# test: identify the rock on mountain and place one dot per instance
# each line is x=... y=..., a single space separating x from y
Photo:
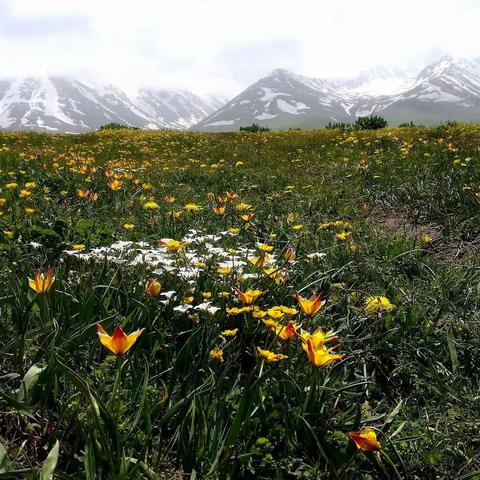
x=67 y=105
x=448 y=89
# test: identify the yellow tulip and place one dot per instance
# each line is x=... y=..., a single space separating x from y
x=42 y=283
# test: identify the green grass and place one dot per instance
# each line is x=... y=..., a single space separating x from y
x=409 y=201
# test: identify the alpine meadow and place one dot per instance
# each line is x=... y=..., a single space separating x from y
x=299 y=304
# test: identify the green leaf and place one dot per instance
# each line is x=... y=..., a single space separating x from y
x=452 y=350
x=29 y=381
x=5 y=464
x=50 y=463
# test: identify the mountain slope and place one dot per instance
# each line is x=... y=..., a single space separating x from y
x=282 y=99
x=448 y=89
x=176 y=109
x=67 y=105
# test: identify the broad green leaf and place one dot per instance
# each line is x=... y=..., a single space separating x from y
x=50 y=463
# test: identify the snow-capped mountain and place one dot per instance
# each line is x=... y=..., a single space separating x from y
x=280 y=100
x=448 y=89
x=176 y=108
x=68 y=105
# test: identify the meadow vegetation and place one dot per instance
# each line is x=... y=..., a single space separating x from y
x=270 y=305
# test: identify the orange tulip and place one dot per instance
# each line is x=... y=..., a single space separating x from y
x=249 y=296
x=310 y=306
x=42 y=283
x=119 y=343
x=321 y=356
x=366 y=440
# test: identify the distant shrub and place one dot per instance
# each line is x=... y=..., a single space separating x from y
x=407 y=125
x=116 y=126
x=338 y=125
x=254 y=128
x=373 y=122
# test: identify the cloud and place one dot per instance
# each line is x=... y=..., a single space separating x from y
x=222 y=46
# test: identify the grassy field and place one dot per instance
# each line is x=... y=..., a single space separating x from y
x=231 y=373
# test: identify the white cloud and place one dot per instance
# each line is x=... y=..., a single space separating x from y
x=221 y=45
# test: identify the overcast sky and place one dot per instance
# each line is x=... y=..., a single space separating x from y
x=221 y=46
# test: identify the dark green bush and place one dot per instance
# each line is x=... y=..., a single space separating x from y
x=254 y=128
x=373 y=122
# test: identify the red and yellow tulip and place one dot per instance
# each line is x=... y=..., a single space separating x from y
x=365 y=440
x=119 y=343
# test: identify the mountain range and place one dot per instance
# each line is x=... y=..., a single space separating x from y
x=64 y=104
x=447 y=89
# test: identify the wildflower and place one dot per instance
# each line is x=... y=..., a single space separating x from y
x=269 y=356
x=310 y=306
x=169 y=198
x=29 y=211
x=82 y=193
x=249 y=296
x=219 y=210
x=3 y=201
x=31 y=185
x=207 y=295
x=277 y=275
x=426 y=239
x=264 y=247
x=42 y=283
x=128 y=226
x=8 y=233
x=317 y=339
x=239 y=163
x=242 y=207
x=289 y=311
x=343 y=235
x=321 y=356
x=275 y=313
x=192 y=207
x=172 y=245
x=216 y=354
x=297 y=227
x=115 y=185
x=119 y=343
x=234 y=230
x=247 y=217
x=11 y=186
x=257 y=313
x=224 y=270
x=378 y=304
x=229 y=333
x=79 y=247
x=151 y=205
x=290 y=255
x=94 y=197
x=237 y=311
x=259 y=262
x=153 y=287
x=365 y=440
x=24 y=193
x=286 y=332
